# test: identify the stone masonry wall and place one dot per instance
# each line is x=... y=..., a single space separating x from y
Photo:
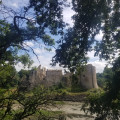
x=53 y=77
x=37 y=77
x=88 y=77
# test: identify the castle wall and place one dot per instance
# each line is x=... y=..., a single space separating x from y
x=37 y=77
x=88 y=77
x=94 y=77
x=53 y=77
x=66 y=79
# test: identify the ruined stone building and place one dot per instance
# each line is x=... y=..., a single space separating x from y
x=41 y=76
x=88 y=77
x=37 y=77
x=53 y=77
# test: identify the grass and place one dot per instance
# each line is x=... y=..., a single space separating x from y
x=49 y=113
x=42 y=113
x=59 y=102
x=39 y=114
x=69 y=91
x=46 y=115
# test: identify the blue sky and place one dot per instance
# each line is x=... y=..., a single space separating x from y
x=46 y=56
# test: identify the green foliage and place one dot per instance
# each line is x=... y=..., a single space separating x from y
x=28 y=103
x=8 y=76
x=104 y=78
x=23 y=73
x=105 y=104
x=47 y=18
x=77 y=89
x=49 y=115
x=100 y=80
x=75 y=84
x=80 y=39
x=7 y=42
x=4 y=28
x=91 y=17
x=47 y=39
x=48 y=15
x=25 y=60
x=100 y=103
x=70 y=54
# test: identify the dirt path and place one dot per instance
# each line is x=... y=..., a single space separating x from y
x=72 y=111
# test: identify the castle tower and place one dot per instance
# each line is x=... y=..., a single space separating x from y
x=88 y=77
x=37 y=76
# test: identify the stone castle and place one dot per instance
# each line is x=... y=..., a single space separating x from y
x=88 y=77
x=41 y=76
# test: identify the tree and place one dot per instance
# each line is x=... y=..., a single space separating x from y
x=90 y=17
x=46 y=16
x=104 y=78
x=28 y=104
x=105 y=104
x=34 y=23
x=8 y=76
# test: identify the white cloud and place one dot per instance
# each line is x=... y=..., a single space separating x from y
x=68 y=13
x=99 y=36
x=53 y=50
x=44 y=56
x=20 y=66
x=14 y=5
x=38 y=50
x=28 y=43
x=45 y=60
x=96 y=62
x=42 y=50
x=99 y=65
x=91 y=54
